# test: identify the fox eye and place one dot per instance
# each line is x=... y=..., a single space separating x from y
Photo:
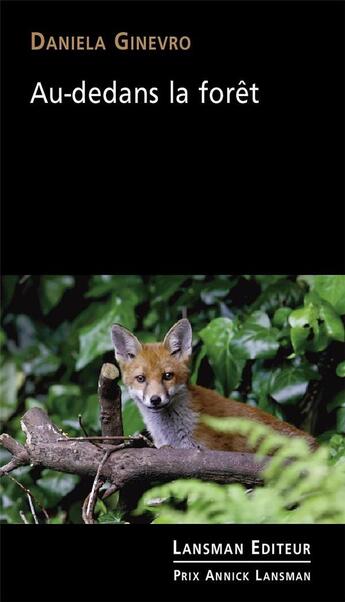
x=168 y=375
x=141 y=378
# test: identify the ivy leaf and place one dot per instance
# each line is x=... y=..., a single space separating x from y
x=10 y=381
x=55 y=486
x=132 y=420
x=95 y=338
x=90 y=414
x=268 y=279
x=65 y=401
x=261 y=378
x=333 y=323
x=267 y=404
x=340 y=371
x=314 y=325
x=280 y=294
x=40 y=360
x=256 y=338
x=281 y=316
x=52 y=289
x=102 y=285
x=289 y=384
x=213 y=291
x=329 y=288
x=163 y=287
x=227 y=368
x=197 y=362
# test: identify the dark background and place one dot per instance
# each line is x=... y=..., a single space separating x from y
x=98 y=189
x=145 y=189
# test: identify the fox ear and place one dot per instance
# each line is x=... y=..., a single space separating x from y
x=126 y=345
x=178 y=340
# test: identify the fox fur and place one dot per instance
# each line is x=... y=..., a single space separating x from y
x=157 y=378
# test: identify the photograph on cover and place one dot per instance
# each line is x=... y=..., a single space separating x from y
x=172 y=399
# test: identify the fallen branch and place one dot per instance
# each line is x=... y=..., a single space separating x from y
x=130 y=470
x=46 y=448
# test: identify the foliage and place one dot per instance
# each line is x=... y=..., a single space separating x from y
x=299 y=486
x=266 y=340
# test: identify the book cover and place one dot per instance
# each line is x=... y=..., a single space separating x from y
x=173 y=301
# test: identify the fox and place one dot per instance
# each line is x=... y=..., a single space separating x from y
x=156 y=376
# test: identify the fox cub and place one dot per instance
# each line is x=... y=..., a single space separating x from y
x=156 y=376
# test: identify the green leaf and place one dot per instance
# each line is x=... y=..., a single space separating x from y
x=65 y=400
x=336 y=447
x=110 y=518
x=314 y=325
x=267 y=280
x=163 y=287
x=288 y=385
x=340 y=371
x=227 y=368
x=300 y=339
x=10 y=381
x=31 y=402
x=333 y=323
x=90 y=414
x=95 y=338
x=283 y=293
x=268 y=405
x=56 y=485
x=256 y=338
x=52 y=289
x=132 y=420
x=103 y=285
x=280 y=318
x=258 y=318
x=197 y=362
x=40 y=361
x=330 y=288
x=215 y=290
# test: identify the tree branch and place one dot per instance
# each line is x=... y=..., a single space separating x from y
x=18 y=451
x=109 y=394
x=46 y=447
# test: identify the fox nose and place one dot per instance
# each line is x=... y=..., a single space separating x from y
x=155 y=400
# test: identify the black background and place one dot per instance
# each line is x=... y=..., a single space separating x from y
x=240 y=188
x=111 y=189
x=133 y=563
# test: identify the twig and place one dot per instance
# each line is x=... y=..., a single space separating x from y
x=24 y=279
x=31 y=498
x=112 y=489
x=80 y=420
x=91 y=498
x=32 y=508
x=108 y=438
x=143 y=438
x=23 y=517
